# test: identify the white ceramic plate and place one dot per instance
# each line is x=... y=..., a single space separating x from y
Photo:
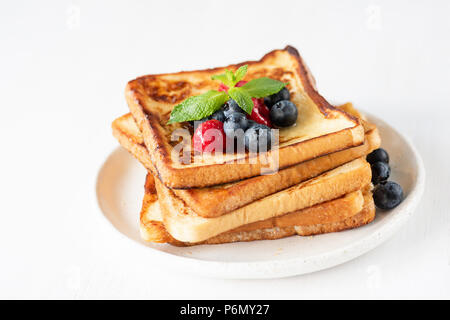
x=120 y=188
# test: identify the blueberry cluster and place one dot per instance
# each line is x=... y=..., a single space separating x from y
x=387 y=194
x=256 y=136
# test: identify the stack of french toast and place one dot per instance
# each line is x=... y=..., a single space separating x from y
x=320 y=182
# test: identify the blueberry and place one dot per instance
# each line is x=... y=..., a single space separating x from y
x=257 y=125
x=387 y=195
x=258 y=138
x=252 y=123
x=230 y=107
x=283 y=113
x=380 y=172
x=233 y=122
x=218 y=115
x=283 y=94
x=378 y=155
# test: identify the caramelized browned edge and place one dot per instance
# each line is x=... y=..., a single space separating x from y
x=161 y=235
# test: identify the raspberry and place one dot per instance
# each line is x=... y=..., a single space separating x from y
x=223 y=88
x=260 y=112
x=209 y=136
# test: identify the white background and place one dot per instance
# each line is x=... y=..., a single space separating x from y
x=63 y=70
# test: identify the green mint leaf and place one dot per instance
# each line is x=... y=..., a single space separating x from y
x=198 y=107
x=243 y=99
x=230 y=77
x=240 y=73
x=222 y=78
x=263 y=87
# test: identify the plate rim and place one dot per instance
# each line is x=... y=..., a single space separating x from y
x=273 y=268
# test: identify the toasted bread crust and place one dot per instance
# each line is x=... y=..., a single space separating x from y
x=138 y=92
x=215 y=201
x=154 y=231
x=330 y=185
x=326 y=212
x=123 y=131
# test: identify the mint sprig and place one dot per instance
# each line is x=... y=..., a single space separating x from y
x=229 y=78
x=201 y=106
x=242 y=98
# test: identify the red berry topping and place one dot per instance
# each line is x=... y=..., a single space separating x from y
x=209 y=137
x=223 y=88
x=260 y=112
x=241 y=83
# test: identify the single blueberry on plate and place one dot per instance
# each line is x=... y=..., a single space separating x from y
x=378 y=155
x=387 y=195
x=283 y=113
x=380 y=172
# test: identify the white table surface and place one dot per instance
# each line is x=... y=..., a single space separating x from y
x=63 y=69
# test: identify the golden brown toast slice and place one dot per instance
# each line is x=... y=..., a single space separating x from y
x=320 y=129
x=349 y=211
x=215 y=201
x=185 y=225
